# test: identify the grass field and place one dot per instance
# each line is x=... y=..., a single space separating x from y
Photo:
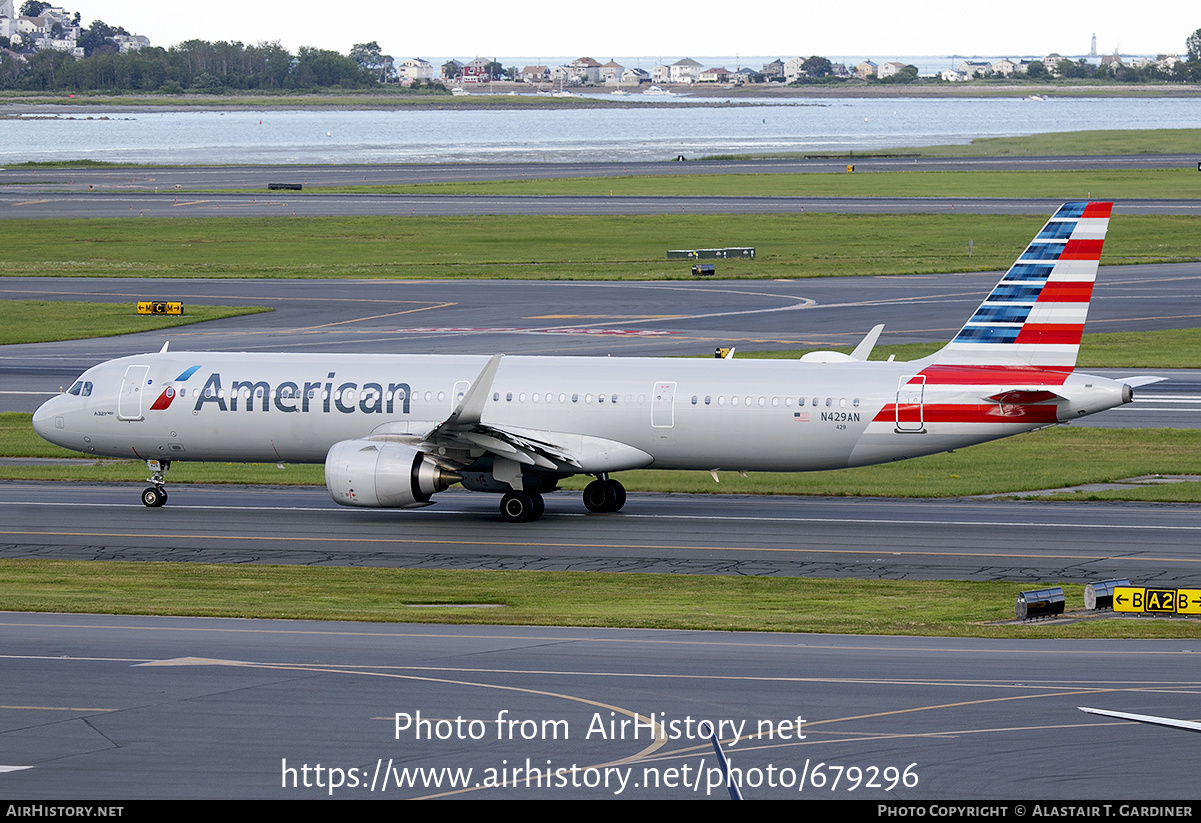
x=40 y=321
x=566 y=248
x=708 y=602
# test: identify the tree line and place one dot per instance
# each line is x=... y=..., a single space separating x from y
x=195 y=65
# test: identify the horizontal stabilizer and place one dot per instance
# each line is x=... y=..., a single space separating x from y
x=1024 y=397
x=1141 y=380
x=864 y=349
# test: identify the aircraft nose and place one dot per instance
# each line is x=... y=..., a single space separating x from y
x=43 y=419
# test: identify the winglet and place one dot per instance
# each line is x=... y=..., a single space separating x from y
x=163 y=350
x=864 y=349
x=471 y=407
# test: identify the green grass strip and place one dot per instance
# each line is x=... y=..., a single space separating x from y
x=43 y=321
x=703 y=602
x=557 y=247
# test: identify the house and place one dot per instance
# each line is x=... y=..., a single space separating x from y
x=635 y=77
x=564 y=76
x=586 y=69
x=534 y=74
x=888 y=69
x=130 y=42
x=794 y=69
x=476 y=71
x=1004 y=67
x=718 y=75
x=452 y=69
x=773 y=70
x=610 y=73
x=971 y=70
x=415 y=70
x=866 y=69
x=660 y=75
x=686 y=70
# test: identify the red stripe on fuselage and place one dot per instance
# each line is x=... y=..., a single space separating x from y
x=970 y=413
x=993 y=375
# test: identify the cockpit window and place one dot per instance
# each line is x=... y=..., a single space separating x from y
x=87 y=389
x=76 y=388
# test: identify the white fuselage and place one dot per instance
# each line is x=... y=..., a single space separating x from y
x=612 y=413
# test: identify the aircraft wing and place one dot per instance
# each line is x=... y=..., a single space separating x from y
x=464 y=429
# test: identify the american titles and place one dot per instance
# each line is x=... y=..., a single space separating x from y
x=290 y=396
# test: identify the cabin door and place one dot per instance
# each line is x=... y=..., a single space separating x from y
x=910 y=392
x=663 y=406
x=129 y=403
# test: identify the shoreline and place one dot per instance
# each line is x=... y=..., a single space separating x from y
x=522 y=96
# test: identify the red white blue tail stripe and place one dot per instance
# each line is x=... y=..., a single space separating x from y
x=1035 y=315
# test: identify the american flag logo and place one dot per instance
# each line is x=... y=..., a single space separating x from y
x=801 y=417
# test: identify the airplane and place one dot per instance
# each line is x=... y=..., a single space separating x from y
x=393 y=430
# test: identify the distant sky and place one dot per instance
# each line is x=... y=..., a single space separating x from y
x=880 y=29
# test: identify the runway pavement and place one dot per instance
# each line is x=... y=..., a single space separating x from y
x=117 y=708
x=912 y=539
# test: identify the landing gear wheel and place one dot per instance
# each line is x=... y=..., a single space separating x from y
x=605 y=495
x=619 y=494
x=155 y=494
x=521 y=507
x=153 y=497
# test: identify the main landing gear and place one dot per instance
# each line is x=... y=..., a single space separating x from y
x=600 y=496
x=521 y=507
x=604 y=495
x=155 y=494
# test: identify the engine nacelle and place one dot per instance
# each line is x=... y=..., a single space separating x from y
x=379 y=474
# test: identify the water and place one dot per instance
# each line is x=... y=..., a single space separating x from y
x=627 y=134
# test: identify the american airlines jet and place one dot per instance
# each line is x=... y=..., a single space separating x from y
x=393 y=430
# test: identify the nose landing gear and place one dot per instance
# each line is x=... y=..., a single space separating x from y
x=155 y=494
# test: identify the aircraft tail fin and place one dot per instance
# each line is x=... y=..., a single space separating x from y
x=1035 y=315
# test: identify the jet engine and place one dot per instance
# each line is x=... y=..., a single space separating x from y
x=379 y=474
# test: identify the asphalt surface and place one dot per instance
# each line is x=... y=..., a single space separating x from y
x=618 y=319
x=120 y=707
x=910 y=539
